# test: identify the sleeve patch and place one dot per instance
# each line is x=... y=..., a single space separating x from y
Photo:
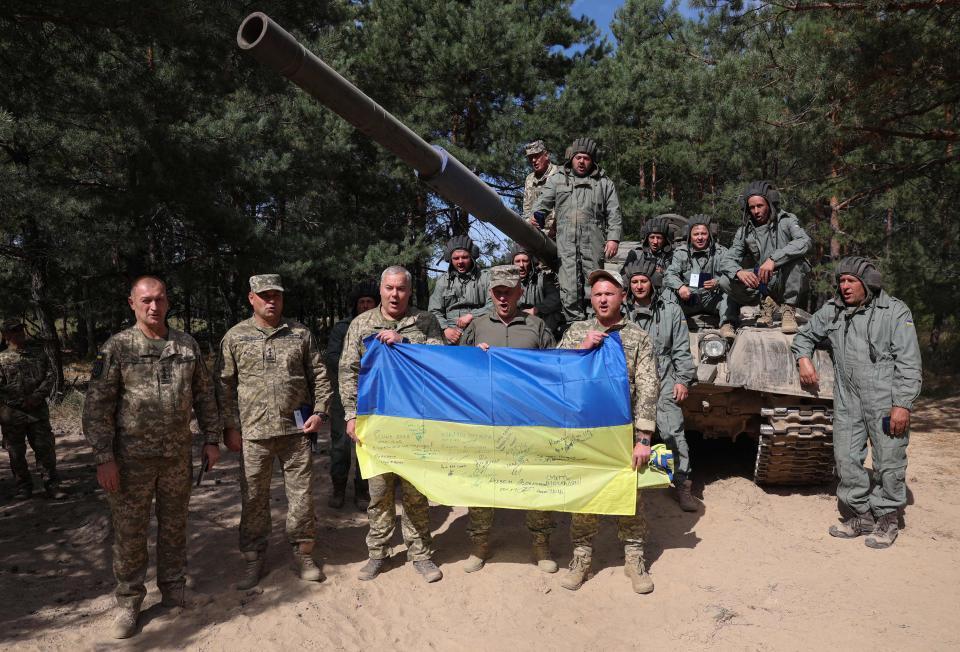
x=97 y=370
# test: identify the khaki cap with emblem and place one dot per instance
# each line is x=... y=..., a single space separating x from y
x=264 y=282
x=536 y=147
x=604 y=275
x=507 y=276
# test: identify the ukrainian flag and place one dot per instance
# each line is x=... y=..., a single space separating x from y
x=507 y=428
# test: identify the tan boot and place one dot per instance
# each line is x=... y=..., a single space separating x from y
x=543 y=557
x=428 y=570
x=306 y=567
x=685 y=497
x=184 y=598
x=478 y=557
x=252 y=570
x=885 y=532
x=853 y=526
x=577 y=573
x=727 y=332
x=765 y=317
x=788 y=319
x=371 y=569
x=635 y=569
x=125 y=621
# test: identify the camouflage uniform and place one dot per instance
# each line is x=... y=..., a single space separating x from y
x=532 y=187
x=418 y=327
x=263 y=375
x=642 y=371
x=137 y=413
x=457 y=294
x=26 y=378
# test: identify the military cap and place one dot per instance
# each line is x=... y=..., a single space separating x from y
x=264 y=282
x=604 y=275
x=11 y=324
x=507 y=276
x=536 y=147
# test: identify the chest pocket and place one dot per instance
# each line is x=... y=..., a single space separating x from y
x=250 y=357
x=289 y=355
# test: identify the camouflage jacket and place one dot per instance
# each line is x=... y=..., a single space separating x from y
x=140 y=399
x=263 y=375
x=25 y=377
x=663 y=321
x=456 y=294
x=417 y=327
x=532 y=187
x=641 y=369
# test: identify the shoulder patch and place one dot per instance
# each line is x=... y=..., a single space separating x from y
x=97 y=370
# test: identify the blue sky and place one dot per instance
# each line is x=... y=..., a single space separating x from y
x=602 y=12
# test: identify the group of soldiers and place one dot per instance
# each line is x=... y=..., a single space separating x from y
x=272 y=387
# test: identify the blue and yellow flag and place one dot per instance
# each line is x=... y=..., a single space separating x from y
x=515 y=428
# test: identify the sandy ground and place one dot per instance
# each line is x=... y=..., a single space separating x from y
x=754 y=570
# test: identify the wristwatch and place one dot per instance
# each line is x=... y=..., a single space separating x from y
x=644 y=441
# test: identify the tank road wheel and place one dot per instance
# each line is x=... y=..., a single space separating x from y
x=796 y=446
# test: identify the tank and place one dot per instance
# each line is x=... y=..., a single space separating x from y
x=277 y=49
x=750 y=388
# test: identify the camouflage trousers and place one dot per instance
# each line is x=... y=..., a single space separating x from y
x=140 y=480
x=256 y=472
x=631 y=529
x=540 y=524
x=40 y=437
x=414 y=522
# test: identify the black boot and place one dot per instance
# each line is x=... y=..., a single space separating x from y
x=339 y=495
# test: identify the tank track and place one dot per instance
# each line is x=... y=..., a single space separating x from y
x=796 y=446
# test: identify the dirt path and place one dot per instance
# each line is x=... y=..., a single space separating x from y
x=756 y=570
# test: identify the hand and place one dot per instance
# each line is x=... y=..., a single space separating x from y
x=313 y=423
x=709 y=285
x=531 y=311
x=808 y=374
x=592 y=340
x=680 y=393
x=108 y=476
x=352 y=430
x=464 y=321
x=899 y=421
x=232 y=439
x=684 y=293
x=533 y=222
x=641 y=451
x=483 y=346
x=390 y=337
x=766 y=270
x=211 y=453
x=452 y=334
x=748 y=278
x=610 y=249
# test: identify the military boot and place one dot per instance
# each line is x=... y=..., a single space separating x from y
x=252 y=570
x=306 y=567
x=361 y=495
x=339 y=495
x=182 y=596
x=125 y=621
x=854 y=526
x=478 y=557
x=788 y=319
x=371 y=569
x=24 y=491
x=684 y=496
x=54 y=492
x=428 y=570
x=543 y=556
x=885 y=532
x=577 y=572
x=765 y=317
x=635 y=569
x=727 y=332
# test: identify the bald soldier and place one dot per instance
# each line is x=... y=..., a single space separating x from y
x=145 y=384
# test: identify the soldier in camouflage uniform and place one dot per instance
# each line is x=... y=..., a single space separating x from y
x=656 y=246
x=541 y=295
x=342 y=449
x=269 y=369
x=543 y=169
x=461 y=294
x=25 y=381
x=607 y=296
x=145 y=383
x=508 y=326
x=588 y=222
x=662 y=319
x=394 y=321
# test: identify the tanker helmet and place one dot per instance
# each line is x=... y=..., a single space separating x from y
x=461 y=242
x=586 y=146
x=764 y=189
x=863 y=269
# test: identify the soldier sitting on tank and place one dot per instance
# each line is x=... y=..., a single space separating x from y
x=539 y=158
x=655 y=245
x=461 y=294
x=765 y=265
x=695 y=271
x=541 y=296
x=663 y=321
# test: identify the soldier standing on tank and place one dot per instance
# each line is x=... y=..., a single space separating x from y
x=461 y=294
x=588 y=222
x=509 y=326
x=269 y=372
x=342 y=448
x=543 y=169
x=765 y=265
x=877 y=377
x=663 y=320
x=656 y=245
x=145 y=383
x=393 y=322
x=541 y=296
x=694 y=274
x=607 y=296
x=26 y=378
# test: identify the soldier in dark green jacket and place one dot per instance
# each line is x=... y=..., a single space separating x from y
x=541 y=295
x=877 y=372
x=461 y=294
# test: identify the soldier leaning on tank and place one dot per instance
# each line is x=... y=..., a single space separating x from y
x=662 y=319
x=269 y=370
x=393 y=322
x=460 y=294
x=765 y=265
x=342 y=449
x=26 y=378
x=655 y=245
x=607 y=297
x=694 y=274
x=145 y=383
x=588 y=222
x=543 y=169
x=877 y=377
x=510 y=326
x=541 y=296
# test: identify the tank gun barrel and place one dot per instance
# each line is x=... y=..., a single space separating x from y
x=276 y=48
